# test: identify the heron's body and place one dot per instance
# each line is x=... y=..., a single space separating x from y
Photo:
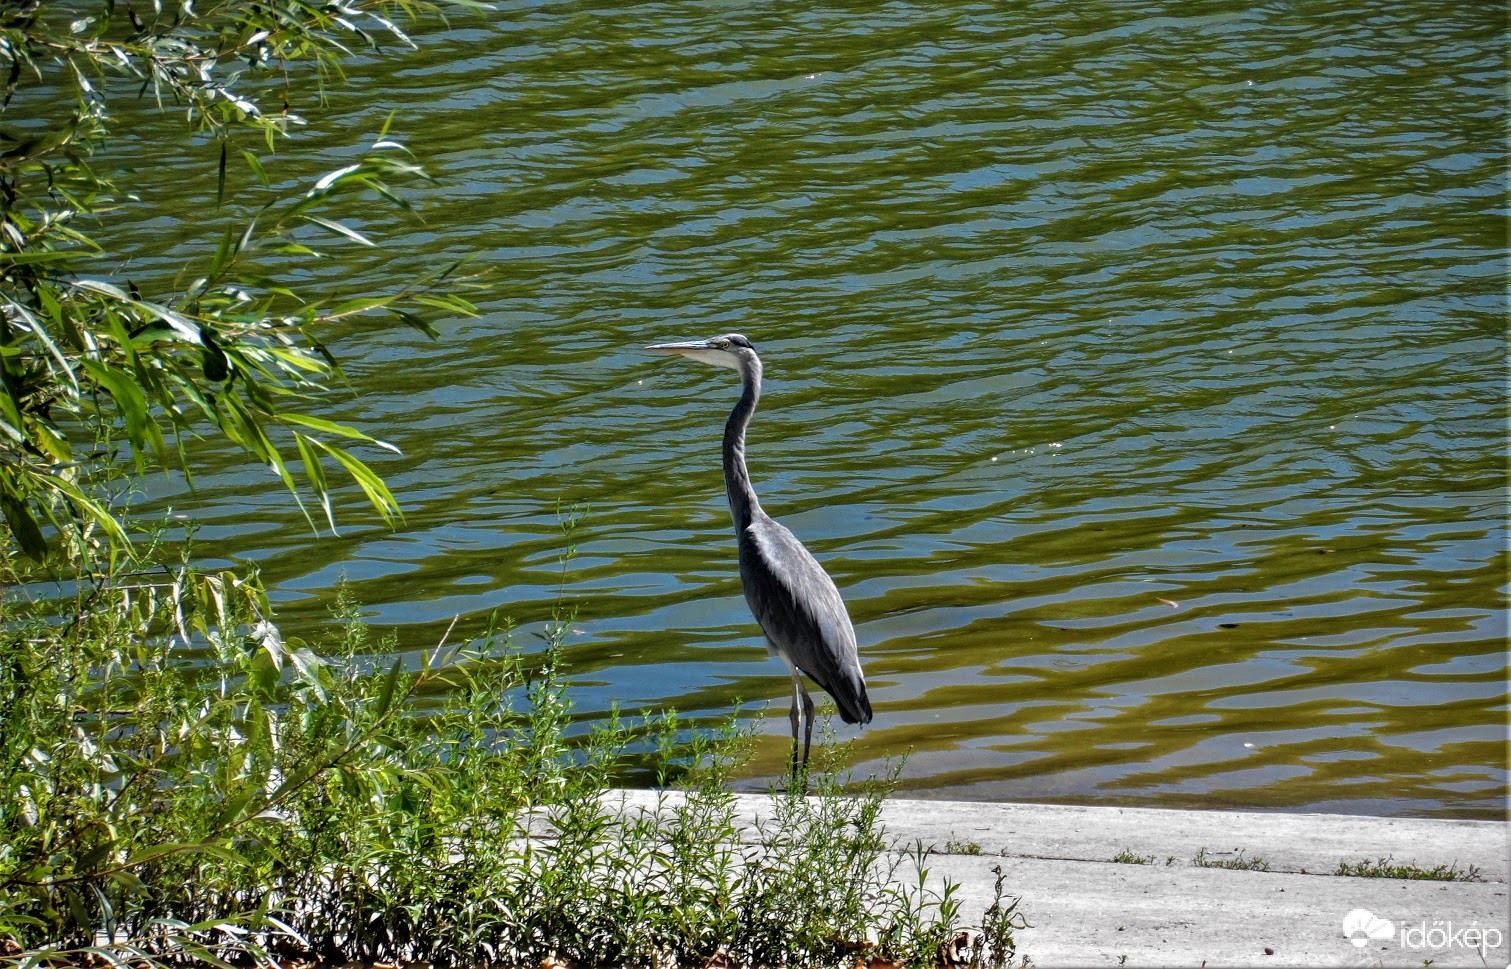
x=790 y=594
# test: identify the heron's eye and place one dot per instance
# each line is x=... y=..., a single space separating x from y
x=721 y=344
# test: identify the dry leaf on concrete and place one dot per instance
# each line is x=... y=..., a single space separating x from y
x=957 y=951
x=721 y=959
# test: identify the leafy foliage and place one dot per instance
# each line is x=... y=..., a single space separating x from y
x=89 y=363
x=214 y=792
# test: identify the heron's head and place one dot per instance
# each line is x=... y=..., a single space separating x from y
x=731 y=350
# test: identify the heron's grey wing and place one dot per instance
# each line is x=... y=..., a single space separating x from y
x=802 y=613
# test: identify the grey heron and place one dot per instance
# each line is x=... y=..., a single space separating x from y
x=791 y=595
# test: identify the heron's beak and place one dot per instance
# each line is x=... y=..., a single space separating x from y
x=701 y=351
x=683 y=349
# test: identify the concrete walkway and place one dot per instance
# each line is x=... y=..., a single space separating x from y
x=1088 y=910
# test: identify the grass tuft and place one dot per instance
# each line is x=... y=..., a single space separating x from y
x=1239 y=863
x=1386 y=868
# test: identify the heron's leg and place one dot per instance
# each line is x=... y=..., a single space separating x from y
x=797 y=693
x=808 y=722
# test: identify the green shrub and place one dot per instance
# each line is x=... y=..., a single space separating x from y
x=179 y=782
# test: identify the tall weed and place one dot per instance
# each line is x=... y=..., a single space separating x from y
x=178 y=783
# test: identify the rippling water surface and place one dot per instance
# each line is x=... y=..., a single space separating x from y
x=1135 y=369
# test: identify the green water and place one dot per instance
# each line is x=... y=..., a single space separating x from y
x=1137 y=371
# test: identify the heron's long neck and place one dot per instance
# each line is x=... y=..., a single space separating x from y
x=742 y=497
